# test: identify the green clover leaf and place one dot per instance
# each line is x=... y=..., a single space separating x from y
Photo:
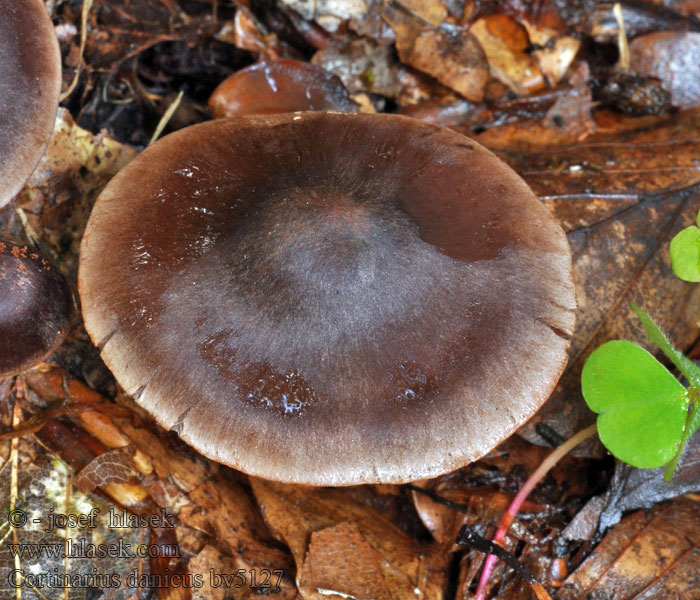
x=685 y=253
x=642 y=408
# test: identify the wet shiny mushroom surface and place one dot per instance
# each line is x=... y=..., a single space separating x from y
x=279 y=86
x=329 y=299
x=36 y=307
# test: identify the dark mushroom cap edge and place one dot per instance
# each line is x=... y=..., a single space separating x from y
x=329 y=299
x=36 y=308
x=30 y=86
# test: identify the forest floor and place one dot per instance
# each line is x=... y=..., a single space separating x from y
x=602 y=123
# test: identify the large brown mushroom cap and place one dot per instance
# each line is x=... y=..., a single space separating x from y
x=329 y=298
x=30 y=84
x=36 y=307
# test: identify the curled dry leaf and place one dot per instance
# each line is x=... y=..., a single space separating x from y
x=504 y=41
x=554 y=53
x=673 y=57
x=325 y=527
x=647 y=556
x=450 y=54
x=248 y=33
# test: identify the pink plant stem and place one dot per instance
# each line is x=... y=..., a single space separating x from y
x=522 y=495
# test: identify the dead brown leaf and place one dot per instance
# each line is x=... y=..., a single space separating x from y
x=329 y=14
x=555 y=53
x=431 y=11
x=296 y=513
x=504 y=42
x=649 y=555
x=341 y=560
x=113 y=466
x=450 y=54
x=631 y=488
x=248 y=33
x=225 y=510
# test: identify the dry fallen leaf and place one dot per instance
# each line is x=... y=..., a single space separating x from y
x=327 y=529
x=554 y=53
x=632 y=488
x=450 y=54
x=113 y=466
x=329 y=14
x=648 y=556
x=505 y=42
x=340 y=561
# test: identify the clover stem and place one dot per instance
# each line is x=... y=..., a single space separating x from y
x=520 y=497
x=689 y=429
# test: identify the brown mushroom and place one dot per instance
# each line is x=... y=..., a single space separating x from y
x=36 y=307
x=30 y=84
x=328 y=298
x=279 y=86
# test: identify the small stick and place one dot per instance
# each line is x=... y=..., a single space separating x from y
x=622 y=45
x=14 y=461
x=166 y=118
x=87 y=5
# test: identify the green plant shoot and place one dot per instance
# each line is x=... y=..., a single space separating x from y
x=645 y=415
x=685 y=253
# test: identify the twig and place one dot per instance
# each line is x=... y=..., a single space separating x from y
x=14 y=461
x=165 y=118
x=87 y=5
x=520 y=497
x=69 y=533
x=624 y=61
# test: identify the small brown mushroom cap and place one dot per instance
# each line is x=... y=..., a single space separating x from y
x=30 y=85
x=36 y=307
x=329 y=299
x=279 y=86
